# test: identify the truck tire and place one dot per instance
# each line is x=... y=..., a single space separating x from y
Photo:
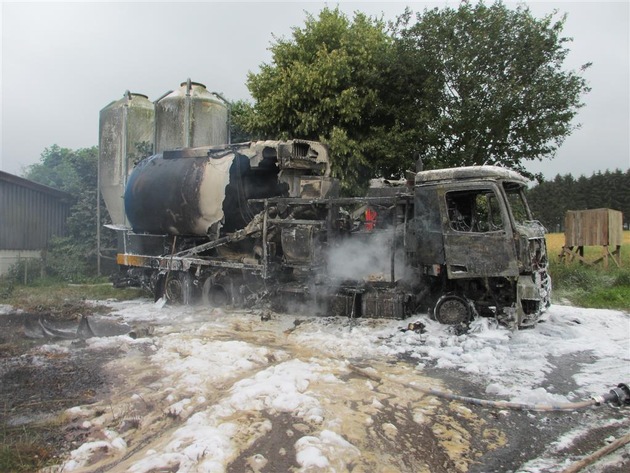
x=178 y=287
x=214 y=295
x=452 y=309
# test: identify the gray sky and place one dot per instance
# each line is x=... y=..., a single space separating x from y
x=63 y=62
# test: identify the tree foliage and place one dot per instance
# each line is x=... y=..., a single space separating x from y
x=239 y=113
x=459 y=86
x=324 y=84
x=73 y=171
x=498 y=92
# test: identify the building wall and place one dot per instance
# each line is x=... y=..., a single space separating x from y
x=30 y=214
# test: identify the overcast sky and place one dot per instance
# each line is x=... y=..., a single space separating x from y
x=63 y=62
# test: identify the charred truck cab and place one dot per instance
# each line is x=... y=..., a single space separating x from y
x=243 y=224
x=475 y=241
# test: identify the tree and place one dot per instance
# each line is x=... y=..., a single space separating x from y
x=75 y=172
x=471 y=85
x=324 y=84
x=240 y=111
x=497 y=92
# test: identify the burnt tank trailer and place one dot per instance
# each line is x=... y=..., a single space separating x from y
x=235 y=224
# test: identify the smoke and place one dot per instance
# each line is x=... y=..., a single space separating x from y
x=366 y=256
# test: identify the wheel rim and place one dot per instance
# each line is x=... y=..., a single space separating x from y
x=173 y=290
x=178 y=287
x=452 y=310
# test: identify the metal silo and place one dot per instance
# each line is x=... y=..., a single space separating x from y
x=126 y=130
x=190 y=117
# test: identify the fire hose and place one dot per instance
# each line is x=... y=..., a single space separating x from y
x=618 y=396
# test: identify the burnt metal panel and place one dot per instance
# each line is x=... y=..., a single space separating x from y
x=424 y=236
x=298 y=244
x=473 y=254
x=385 y=305
x=469 y=173
x=131 y=243
x=341 y=305
x=30 y=213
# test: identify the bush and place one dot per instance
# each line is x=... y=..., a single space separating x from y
x=6 y=287
x=26 y=270
x=67 y=260
x=73 y=257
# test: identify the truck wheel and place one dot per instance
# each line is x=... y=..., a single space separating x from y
x=178 y=287
x=214 y=295
x=452 y=309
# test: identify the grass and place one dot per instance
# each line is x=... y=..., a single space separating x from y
x=62 y=299
x=24 y=450
x=590 y=286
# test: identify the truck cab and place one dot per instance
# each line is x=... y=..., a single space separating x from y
x=473 y=240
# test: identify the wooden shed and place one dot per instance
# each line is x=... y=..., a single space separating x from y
x=30 y=214
x=596 y=227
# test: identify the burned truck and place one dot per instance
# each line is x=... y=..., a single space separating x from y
x=249 y=223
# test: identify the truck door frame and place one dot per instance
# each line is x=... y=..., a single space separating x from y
x=476 y=253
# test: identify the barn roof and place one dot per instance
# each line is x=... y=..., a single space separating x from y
x=20 y=181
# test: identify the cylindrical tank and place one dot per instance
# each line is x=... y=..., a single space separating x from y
x=126 y=129
x=190 y=117
x=187 y=191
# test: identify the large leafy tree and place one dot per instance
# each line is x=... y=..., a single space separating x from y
x=498 y=92
x=73 y=171
x=324 y=84
x=457 y=86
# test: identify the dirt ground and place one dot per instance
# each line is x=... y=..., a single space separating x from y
x=38 y=386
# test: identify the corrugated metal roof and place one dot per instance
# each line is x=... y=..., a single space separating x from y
x=20 y=181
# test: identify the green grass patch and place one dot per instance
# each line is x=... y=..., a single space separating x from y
x=605 y=298
x=591 y=286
